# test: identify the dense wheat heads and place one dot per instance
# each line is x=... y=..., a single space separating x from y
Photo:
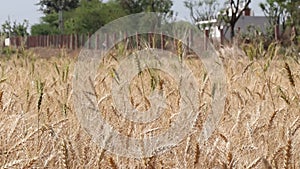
x=253 y=133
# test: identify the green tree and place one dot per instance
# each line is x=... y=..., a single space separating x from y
x=137 y=6
x=52 y=22
x=54 y=6
x=91 y=15
x=293 y=10
x=276 y=12
x=15 y=29
x=44 y=29
x=282 y=12
x=48 y=26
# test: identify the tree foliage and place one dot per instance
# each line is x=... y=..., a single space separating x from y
x=282 y=12
x=274 y=10
x=54 y=6
x=87 y=16
x=137 y=6
x=15 y=29
x=293 y=9
x=44 y=29
x=91 y=15
x=202 y=9
x=48 y=26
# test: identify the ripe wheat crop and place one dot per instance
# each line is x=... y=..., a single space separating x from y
x=259 y=127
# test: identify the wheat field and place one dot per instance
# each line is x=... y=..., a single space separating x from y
x=39 y=128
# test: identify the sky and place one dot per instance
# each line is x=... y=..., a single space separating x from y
x=18 y=10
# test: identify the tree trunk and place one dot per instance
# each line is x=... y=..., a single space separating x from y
x=232 y=33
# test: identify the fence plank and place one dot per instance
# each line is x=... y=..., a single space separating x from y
x=162 y=41
x=206 y=39
x=277 y=32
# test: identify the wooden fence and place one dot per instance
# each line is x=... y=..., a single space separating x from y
x=76 y=41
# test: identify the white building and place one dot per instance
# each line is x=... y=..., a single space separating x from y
x=242 y=25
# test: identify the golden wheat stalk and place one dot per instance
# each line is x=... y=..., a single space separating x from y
x=113 y=163
x=64 y=155
x=289 y=73
x=197 y=154
x=1 y=102
x=288 y=154
x=254 y=163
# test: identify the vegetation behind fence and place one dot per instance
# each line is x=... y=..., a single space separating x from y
x=73 y=41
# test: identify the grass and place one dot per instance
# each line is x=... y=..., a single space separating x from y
x=259 y=127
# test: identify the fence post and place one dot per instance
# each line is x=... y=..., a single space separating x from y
x=191 y=40
x=55 y=41
x=60 y=39
x=115 y=37
x=137 y=40
x=80 y=40
x=50 y=40
x=77 y=41
x=65 y=44
x=97 y=42
x=106 y=40
x=89 y=41
x=26 y=42
x=44 y=40
x=150 y=40
x=126 y=40
x=277 y=37
x=162 y=41
x=47 y=41
x=17 y=41
x=38 y=41
x=74 y=41
x=114 y=40
x=78 y=36
x=68 y=40
x=61 y=44
x=11 y=41
x=206 y=38
x=221 y=36
x=175 y=41
x=32 y=41
x=71 y=41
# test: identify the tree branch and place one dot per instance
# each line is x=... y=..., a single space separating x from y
x=243 y=9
